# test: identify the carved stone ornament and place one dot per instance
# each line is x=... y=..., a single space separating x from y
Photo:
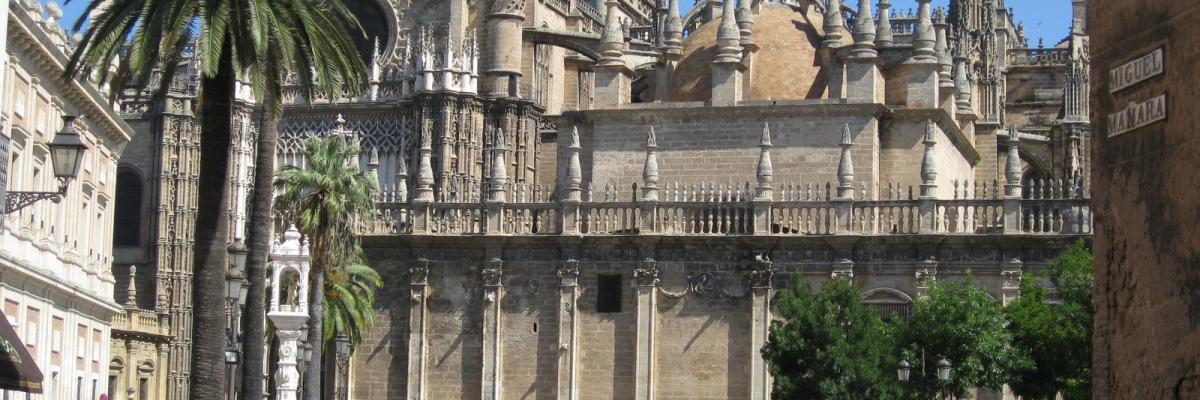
x=926 y=276
x=568 y=277
x=645 y=276
x=418 y=276
x=762 y=278
x=1012 y=279
x=842 y=273
x=532 y=286
x=491 y=277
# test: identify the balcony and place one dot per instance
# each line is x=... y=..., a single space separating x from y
x=134 y=321
x=1036 y=208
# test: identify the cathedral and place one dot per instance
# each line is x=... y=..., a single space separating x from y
x=600 y=199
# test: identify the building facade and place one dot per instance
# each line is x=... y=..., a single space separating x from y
x=584 y=199
x=55 y=257
x=1146 y=246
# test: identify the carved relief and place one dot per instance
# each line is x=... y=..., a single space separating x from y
x=491 y=277
x=646 y=276
x=568 y=277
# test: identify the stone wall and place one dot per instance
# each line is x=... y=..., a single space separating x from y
x=702 y=328
x=1147 y=326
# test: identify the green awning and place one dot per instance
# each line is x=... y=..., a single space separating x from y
x=17 y=369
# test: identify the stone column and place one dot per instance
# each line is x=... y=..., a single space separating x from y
x=613 y=77
x=927 y=205
x=761 y=283
x=574 y=195
x=568 y=321
x=492 y=293
x=845 y=190
x=1011 y=271
x=1012 y=184
x=649 y=203
x=646 y=280
x=418 y=313
x=505 y=19
x=727 y=67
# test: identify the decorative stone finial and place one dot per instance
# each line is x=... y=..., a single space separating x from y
x=674 y=34
x=766 y=171
x=864 y=31
x=425 y=171
x=845 y=172
x=1012 y=166
x=942 y=49
x=835 y=29
x=729 y=41
x=924 y=37
x=962 y=87
x=745 y=21
x=650 y=169
x=884 y=37
x=499 y=175
x=928 y=163
x=612 y=41
x=574 y=171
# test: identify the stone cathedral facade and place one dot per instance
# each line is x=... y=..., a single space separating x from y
x=601 y=199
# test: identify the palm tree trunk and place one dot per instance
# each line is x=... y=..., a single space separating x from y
x=316 y=314
x=260 y=247
x=208 y=379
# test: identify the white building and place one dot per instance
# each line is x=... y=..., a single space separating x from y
x=56 y=284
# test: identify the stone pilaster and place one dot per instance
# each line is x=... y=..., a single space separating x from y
x=761 y=283
x=418 y=281
x=568 y=322
x=1011 y=272
x=646 y=280
x=492 y=351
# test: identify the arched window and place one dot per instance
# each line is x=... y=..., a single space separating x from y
x=374 y=22
x=127 y=221
x=889 y=303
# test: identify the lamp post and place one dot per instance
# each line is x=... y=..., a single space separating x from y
x=904 y=369
x=232 y=358
x=342 y=346
x=66 y=154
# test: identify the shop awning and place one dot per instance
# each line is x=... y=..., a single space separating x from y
x=17 y=369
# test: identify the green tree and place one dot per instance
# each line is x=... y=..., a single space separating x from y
x=325 y=198
x=961 y=323
x=308 y=39
x=350 y=300
x=830 y=346
x=1057 y=335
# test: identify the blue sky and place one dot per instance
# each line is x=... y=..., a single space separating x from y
x=1049 y=19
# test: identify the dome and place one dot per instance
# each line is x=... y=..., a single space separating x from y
x=785 y=67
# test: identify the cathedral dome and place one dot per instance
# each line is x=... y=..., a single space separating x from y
x=785 y=67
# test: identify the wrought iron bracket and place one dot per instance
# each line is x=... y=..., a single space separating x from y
x=16 y=200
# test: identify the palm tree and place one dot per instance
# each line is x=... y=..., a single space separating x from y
x=350 y=297
x=255 y=36
x=325 y=199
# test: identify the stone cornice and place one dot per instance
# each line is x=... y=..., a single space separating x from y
x=18 y=274
x=24 y=33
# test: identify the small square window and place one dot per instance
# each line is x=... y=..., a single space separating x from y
x=608 y=293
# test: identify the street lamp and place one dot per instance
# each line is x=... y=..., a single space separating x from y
x=66 y=154
x=902 y=370
x=232 y=358
x=943 y=369
x=342 y=346
x=235 y=275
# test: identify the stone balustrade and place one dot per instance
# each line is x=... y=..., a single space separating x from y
x=138 y=321
x=1047 y=208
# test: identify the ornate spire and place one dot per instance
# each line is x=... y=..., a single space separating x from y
x=924 y=38
x=745 y=21
x=845 y=172
x=962 y=87
x=729 y=41
x=884 y=38
x=425 y=170
x=834 y=24
x=942 y=49
x=766 y=171
x=674 y=39
x=401 y=178
x=499 y=175
x=574 y=171
x=612 y=41
x=864 y=31
x=650 y=169
x=928 y=165
x=1012 y=166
